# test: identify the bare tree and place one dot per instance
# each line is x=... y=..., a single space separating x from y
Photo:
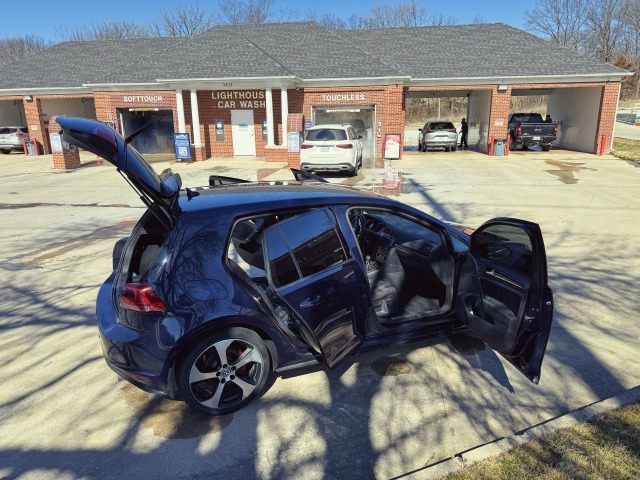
x=17 y=48
x=407 y=14
x=604 y=28
x=245 y=11
x=184 y=20
x=102 y=31
x=561 y=21
x=479 y=18
x=329 y=20
x=630 y=15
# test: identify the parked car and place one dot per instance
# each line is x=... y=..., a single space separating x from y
x=529 y=129
x=217 y=288
x=438 y=134
x=11 y=138
x=331 y=148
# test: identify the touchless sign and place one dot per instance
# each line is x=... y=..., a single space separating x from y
x=183 y=148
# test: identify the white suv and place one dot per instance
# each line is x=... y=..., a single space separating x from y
x=331 y=148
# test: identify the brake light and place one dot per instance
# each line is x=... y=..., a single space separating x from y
x=16 y=134
x=453 y=130
x=141 y=297
x=555 y=129
x=519 y=130
x=306 y=145
x=344 y=145
x=429 y=130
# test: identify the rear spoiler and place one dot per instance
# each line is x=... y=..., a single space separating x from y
x=299 y=175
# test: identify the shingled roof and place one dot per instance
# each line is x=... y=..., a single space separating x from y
x=304 y=51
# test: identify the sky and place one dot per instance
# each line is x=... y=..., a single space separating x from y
x=43 y=16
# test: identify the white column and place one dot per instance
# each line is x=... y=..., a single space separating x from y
x=180 y=108
x=195 y=118
x=269 y=98
x=284 y=107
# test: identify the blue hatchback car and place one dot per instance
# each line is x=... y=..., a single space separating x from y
x=219 y=287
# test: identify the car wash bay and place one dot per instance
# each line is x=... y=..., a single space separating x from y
x=583 y=125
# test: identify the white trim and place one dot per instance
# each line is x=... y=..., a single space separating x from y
x=195 y=118
x=180 y=107
x=46 y=91
x=269 y=99
x=284 y=110
x=467 y=81
x=225 y=79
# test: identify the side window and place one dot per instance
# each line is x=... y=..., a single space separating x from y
x=506 y=245
x=311 y=239
x=283 y=269
x=24 y=130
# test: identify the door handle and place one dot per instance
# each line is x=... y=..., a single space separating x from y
x=310 y=302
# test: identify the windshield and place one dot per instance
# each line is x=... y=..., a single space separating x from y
x=326 y=134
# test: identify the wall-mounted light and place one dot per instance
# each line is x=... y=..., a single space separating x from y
x=27 y=97
x=502 y=87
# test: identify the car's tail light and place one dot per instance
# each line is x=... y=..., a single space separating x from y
x=428 y=130
x=344 y=145
x=555 y=129
x=519 y=130
x=305 y=146
x=453 y=130
x=17 y=134
x=141 y=297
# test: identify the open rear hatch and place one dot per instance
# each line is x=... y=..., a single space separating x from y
x=159 y=192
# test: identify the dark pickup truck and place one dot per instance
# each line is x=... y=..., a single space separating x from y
x=528 y=129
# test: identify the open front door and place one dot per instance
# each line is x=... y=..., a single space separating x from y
x=310 y=269
x=503 y=295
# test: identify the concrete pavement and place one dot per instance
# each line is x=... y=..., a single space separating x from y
x=383 y=414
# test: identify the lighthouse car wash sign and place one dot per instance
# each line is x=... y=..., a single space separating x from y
x=239 y=99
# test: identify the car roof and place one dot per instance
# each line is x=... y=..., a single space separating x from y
x=262 y=196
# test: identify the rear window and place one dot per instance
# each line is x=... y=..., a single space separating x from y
x=12 y=130
x=328 y=134
x=24 y=130
x=528 y=118
x=442 y=126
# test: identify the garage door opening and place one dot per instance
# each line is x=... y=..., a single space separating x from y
x=452 y=106
x=576 y=111
x=157 y=139
x=361 y=118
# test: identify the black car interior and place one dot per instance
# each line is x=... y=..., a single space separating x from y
x=409 y=268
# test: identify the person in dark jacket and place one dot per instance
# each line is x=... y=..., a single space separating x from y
x=548 y=119
x=464 y=129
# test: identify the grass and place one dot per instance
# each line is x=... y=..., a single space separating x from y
x=607 y=447
x=626 y=149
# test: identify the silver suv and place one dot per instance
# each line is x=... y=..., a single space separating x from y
x=437 y=134
x=331 y=148
x=11 y=138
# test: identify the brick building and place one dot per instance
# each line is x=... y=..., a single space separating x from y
x=234 y=88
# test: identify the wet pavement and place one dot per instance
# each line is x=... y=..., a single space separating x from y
x=381 y=415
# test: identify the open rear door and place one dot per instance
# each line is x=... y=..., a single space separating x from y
x=503 y=295
x=312 y=271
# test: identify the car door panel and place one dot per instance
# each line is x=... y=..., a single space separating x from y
x=503 y=295
x=326 y=288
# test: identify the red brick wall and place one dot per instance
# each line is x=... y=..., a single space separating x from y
x=66 y=159
x=388 y=101
x=33 y=115
x=108 y=103
x=608 y=104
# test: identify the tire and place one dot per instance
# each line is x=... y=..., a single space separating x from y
x=453 y=149
x=217 y=386
x=546 y=148
x=446 y=149
x=6 y=152
x=354 y=172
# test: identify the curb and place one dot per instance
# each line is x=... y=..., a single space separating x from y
x=465 y=459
